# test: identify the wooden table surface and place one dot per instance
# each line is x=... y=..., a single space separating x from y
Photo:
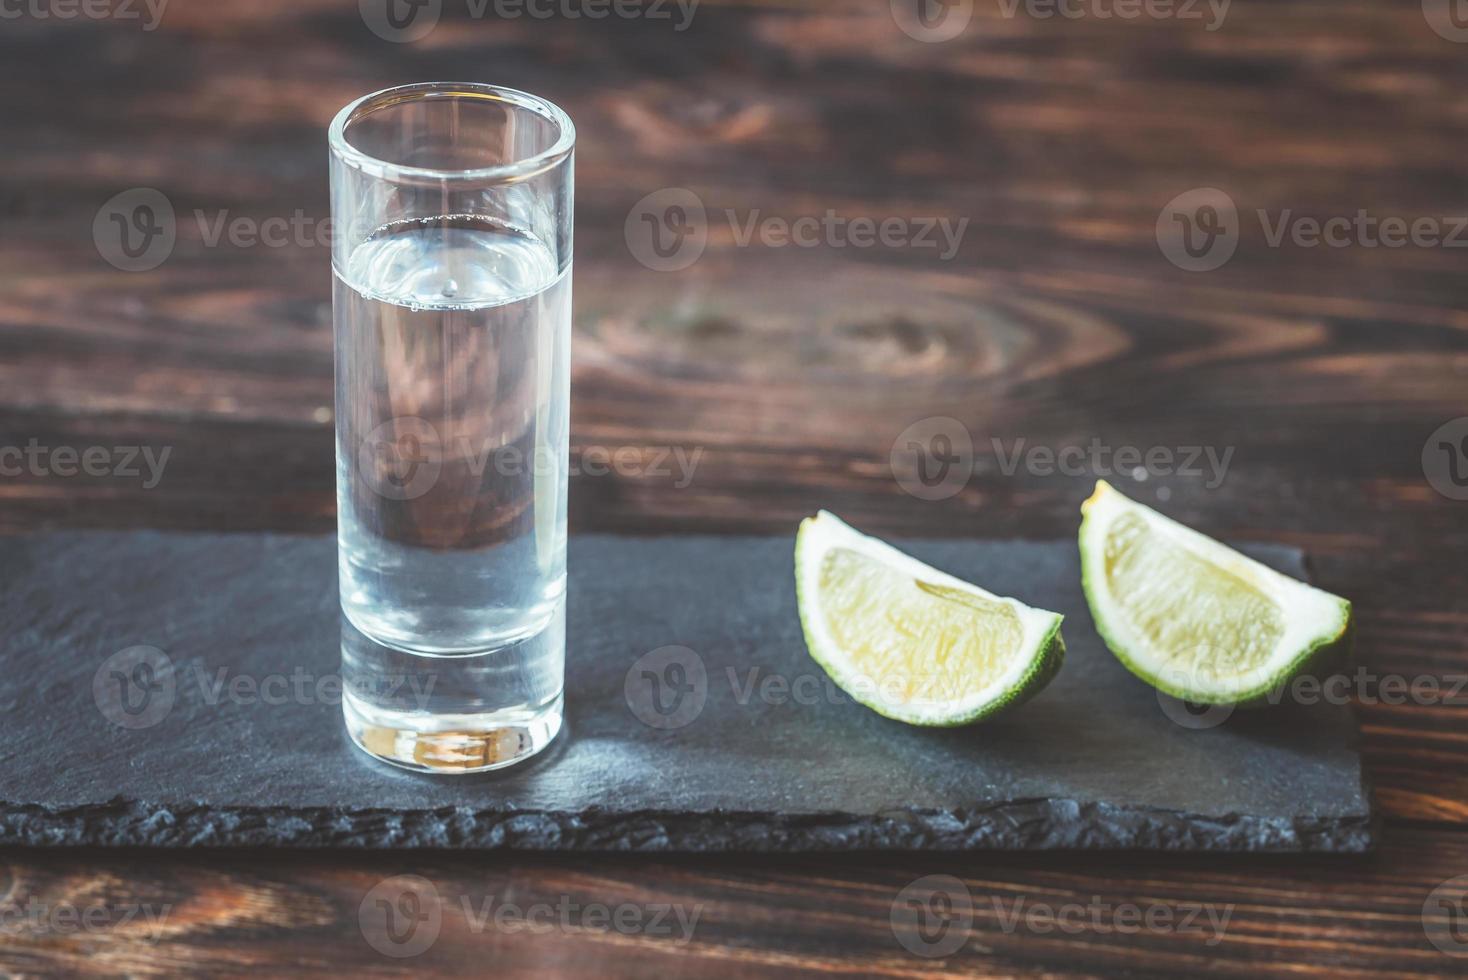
x=791 y=371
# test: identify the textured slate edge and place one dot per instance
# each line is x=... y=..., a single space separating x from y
x=1038 y=824
x=1372 y=819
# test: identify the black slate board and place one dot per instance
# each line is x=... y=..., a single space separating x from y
x=1092 y=762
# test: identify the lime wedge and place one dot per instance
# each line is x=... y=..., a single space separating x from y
x=1193 y=617
x=911 y=642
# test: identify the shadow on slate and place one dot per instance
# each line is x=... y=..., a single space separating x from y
x=782 y=765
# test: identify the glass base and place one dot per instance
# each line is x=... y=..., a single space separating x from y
x=453 y=743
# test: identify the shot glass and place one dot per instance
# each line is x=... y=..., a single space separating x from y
x=451 y=258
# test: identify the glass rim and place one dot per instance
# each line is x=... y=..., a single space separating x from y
x=528 y=166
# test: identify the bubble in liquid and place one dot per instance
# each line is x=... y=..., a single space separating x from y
x=450 y=289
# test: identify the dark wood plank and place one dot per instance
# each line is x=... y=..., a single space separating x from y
x=1031 y=916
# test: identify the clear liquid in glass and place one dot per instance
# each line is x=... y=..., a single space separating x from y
x=452 y=361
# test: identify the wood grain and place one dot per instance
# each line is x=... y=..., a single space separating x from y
x=788 y=374
x=1030 y=916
